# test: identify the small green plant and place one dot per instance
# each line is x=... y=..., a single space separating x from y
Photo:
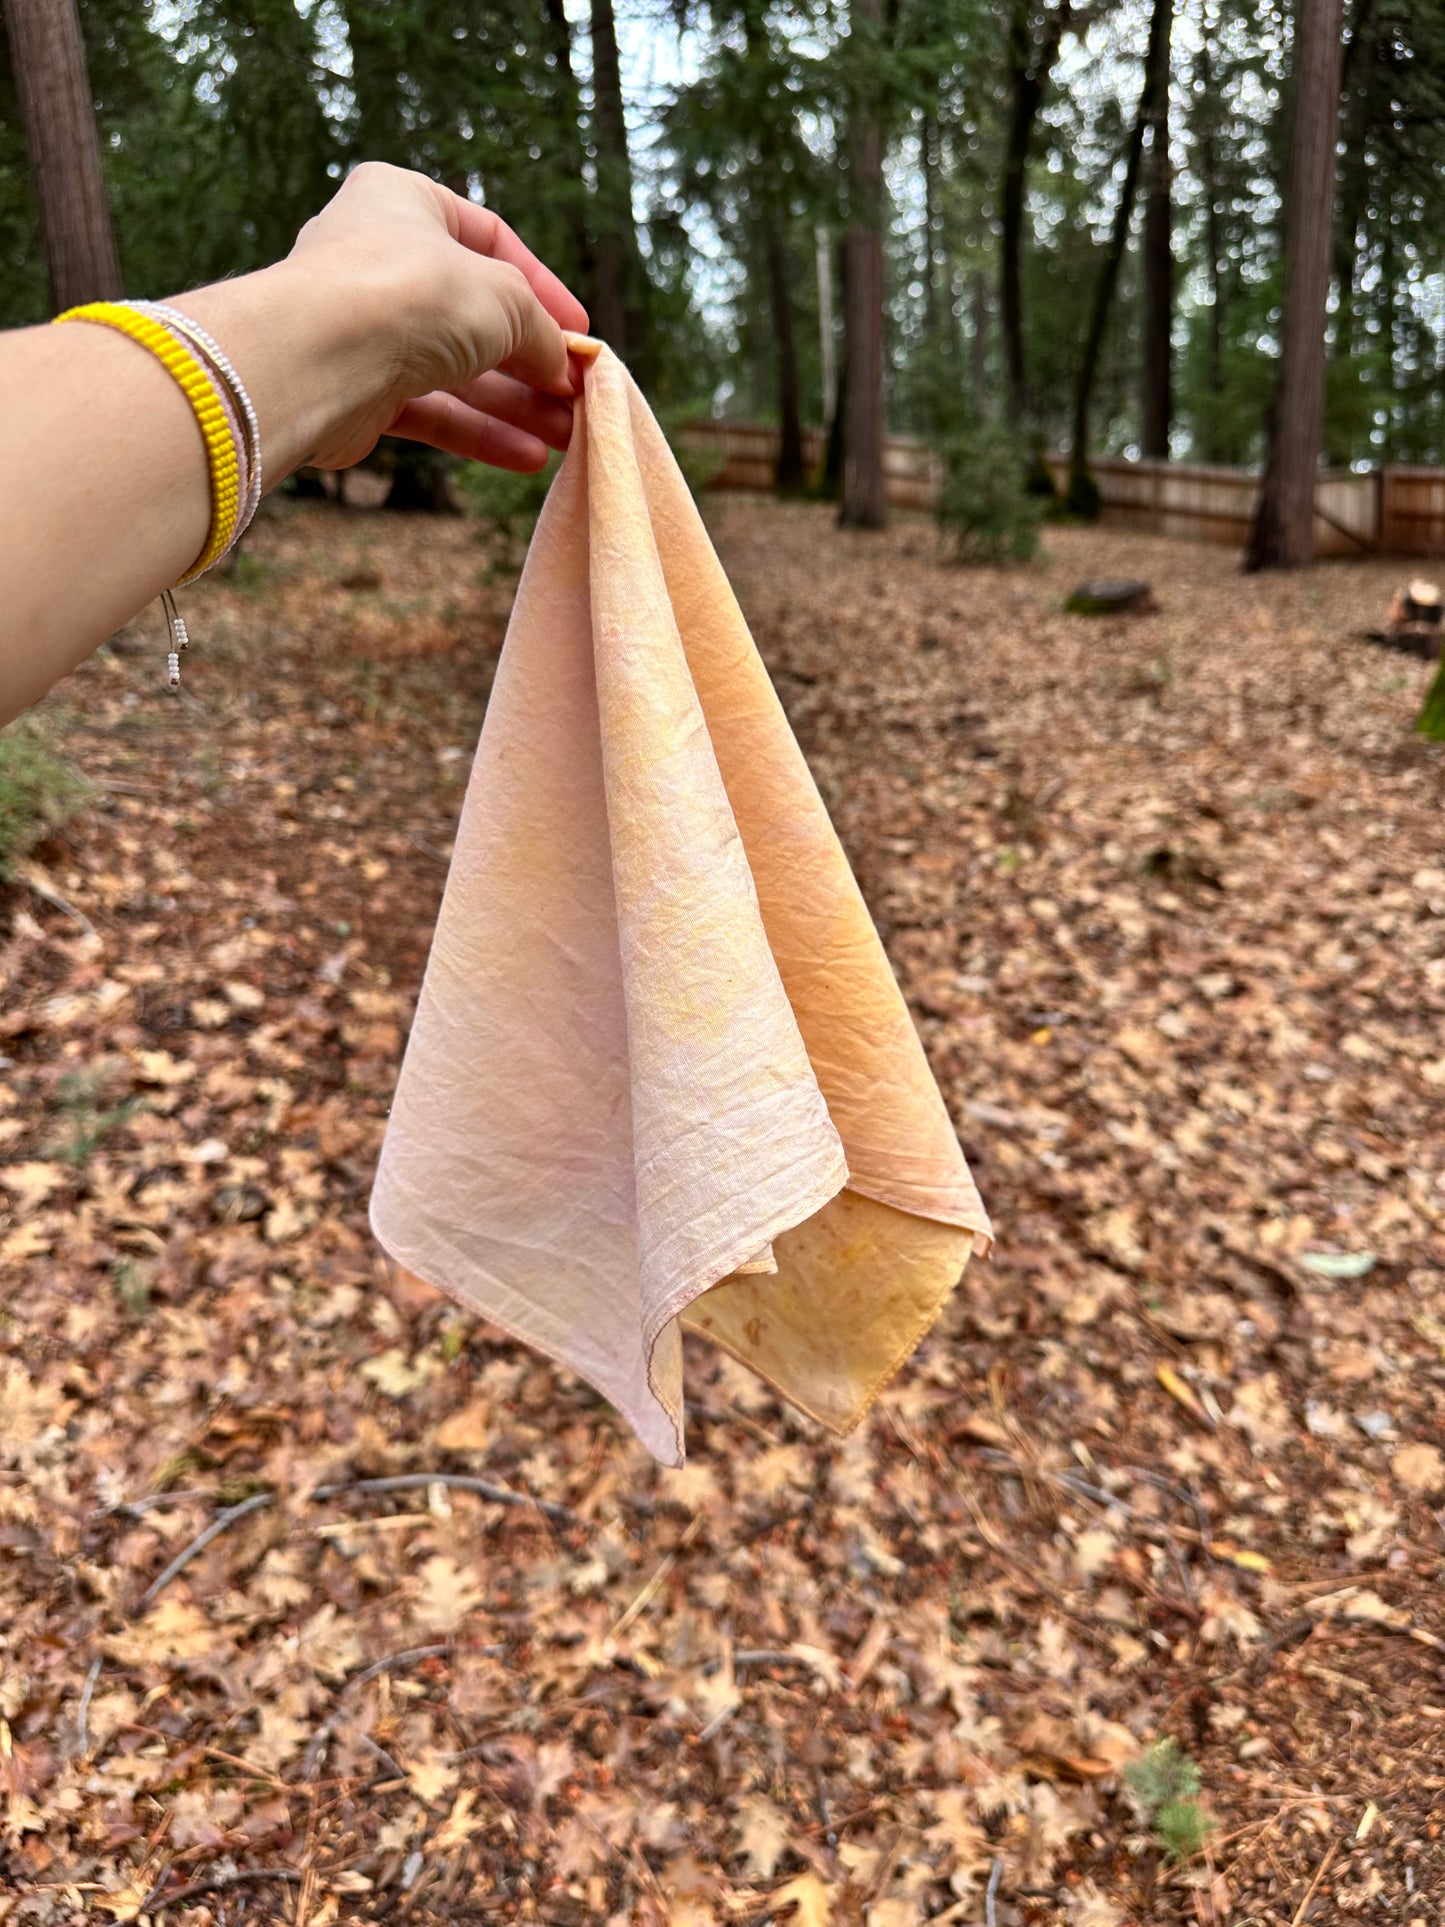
x=132 y=1287
x=507 y=501
x=1431 y=721
x=250 y=574
x=1166 y=1785
x=698 y=461
x=86 y=1120
x=38 y=791
x=984 y=511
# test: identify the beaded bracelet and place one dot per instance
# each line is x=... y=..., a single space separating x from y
x=196 y=385
x=227 y=422
x=211 y=351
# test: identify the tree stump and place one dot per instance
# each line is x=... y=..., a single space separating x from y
x=1414 y=619
x=1111 y=599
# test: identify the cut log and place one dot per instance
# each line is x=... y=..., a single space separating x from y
x=1111 y=599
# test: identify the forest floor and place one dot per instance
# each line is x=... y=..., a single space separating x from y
x=1167 y=896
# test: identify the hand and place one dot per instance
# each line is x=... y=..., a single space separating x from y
x=466 y=323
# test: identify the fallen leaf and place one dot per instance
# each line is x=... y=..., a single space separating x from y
x=1420 y=1468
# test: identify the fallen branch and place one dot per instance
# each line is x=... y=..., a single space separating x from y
x=412 y=1656
x=31 y=874
x=990 y=1897
x=217 y=1883
x=1320 y=1873
x=658 y=1580
x=222 y=1522
x=82 y=1718
x=402 y=1482
x=454 y=1481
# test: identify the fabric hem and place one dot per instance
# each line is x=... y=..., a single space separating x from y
x=869 y=1398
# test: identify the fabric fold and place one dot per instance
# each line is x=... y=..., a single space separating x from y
x=660 y=1068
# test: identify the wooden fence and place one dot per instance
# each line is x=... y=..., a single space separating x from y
x=1385 y=511
x=746 y=455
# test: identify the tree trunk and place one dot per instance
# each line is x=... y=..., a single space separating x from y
x=1027 y=95
x=865 y=500
x=1158 y=406
x=827 y=348
x=1029 y=67
x=570 y=151
x=1284 y=526
x=833 y=458
x=1082 y=496
x=1356 y=179
x=978 y=351
x=928 y=156
x=48 y=55
x=421 y=480
x=1208 y=168
x=617 y=314
x=371 y=36
x=771 y=198
x=789 y=475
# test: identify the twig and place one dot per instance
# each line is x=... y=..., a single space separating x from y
x=990 y=1898
x=1035 y=1581
x=388 y=1760
x=456 y=1482
x=411 y=1657
x=248 y=1876
x=151 y=1502
x=402 y=1482
x=1320 y=1871
x=28 y=874
x=733 y=1416
x=222 y=1522
x=657 y=1581
x=82 y=1718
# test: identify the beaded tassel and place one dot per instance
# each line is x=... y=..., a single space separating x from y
x=177 y=627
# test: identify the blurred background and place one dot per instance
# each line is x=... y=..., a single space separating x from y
x=1039 y=215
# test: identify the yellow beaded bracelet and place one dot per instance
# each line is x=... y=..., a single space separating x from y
x=195 y=383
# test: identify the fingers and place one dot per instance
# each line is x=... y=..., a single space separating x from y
x=512 y=401
x=531 y=346
x=485 y=232
x=448 y=423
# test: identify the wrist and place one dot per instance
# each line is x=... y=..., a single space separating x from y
x=307 y=354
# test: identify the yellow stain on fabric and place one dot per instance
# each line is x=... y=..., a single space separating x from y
x=661 y=1071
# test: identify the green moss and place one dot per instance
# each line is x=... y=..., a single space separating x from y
x=39 y=791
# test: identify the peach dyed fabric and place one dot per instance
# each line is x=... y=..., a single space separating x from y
x=660 y=1072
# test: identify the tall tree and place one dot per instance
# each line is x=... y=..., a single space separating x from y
x=1207 y=141
x=1284 y=525
x=1034 y=36
x=48 y=57
x=1082 y=493
x=618 y=314
x=865 y=498
x=567 y=135
x=736 y=136
x=1158 y=401
x=765 y=72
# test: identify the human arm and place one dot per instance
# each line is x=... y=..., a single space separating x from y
x=401 y=308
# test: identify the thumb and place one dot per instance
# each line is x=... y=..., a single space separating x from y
x=532 y=346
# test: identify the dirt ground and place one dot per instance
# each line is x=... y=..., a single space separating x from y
x=1167 y=896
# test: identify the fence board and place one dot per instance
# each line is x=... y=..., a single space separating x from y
x=1392 y=511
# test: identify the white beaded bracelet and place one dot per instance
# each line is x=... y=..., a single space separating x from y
x=182 y=324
